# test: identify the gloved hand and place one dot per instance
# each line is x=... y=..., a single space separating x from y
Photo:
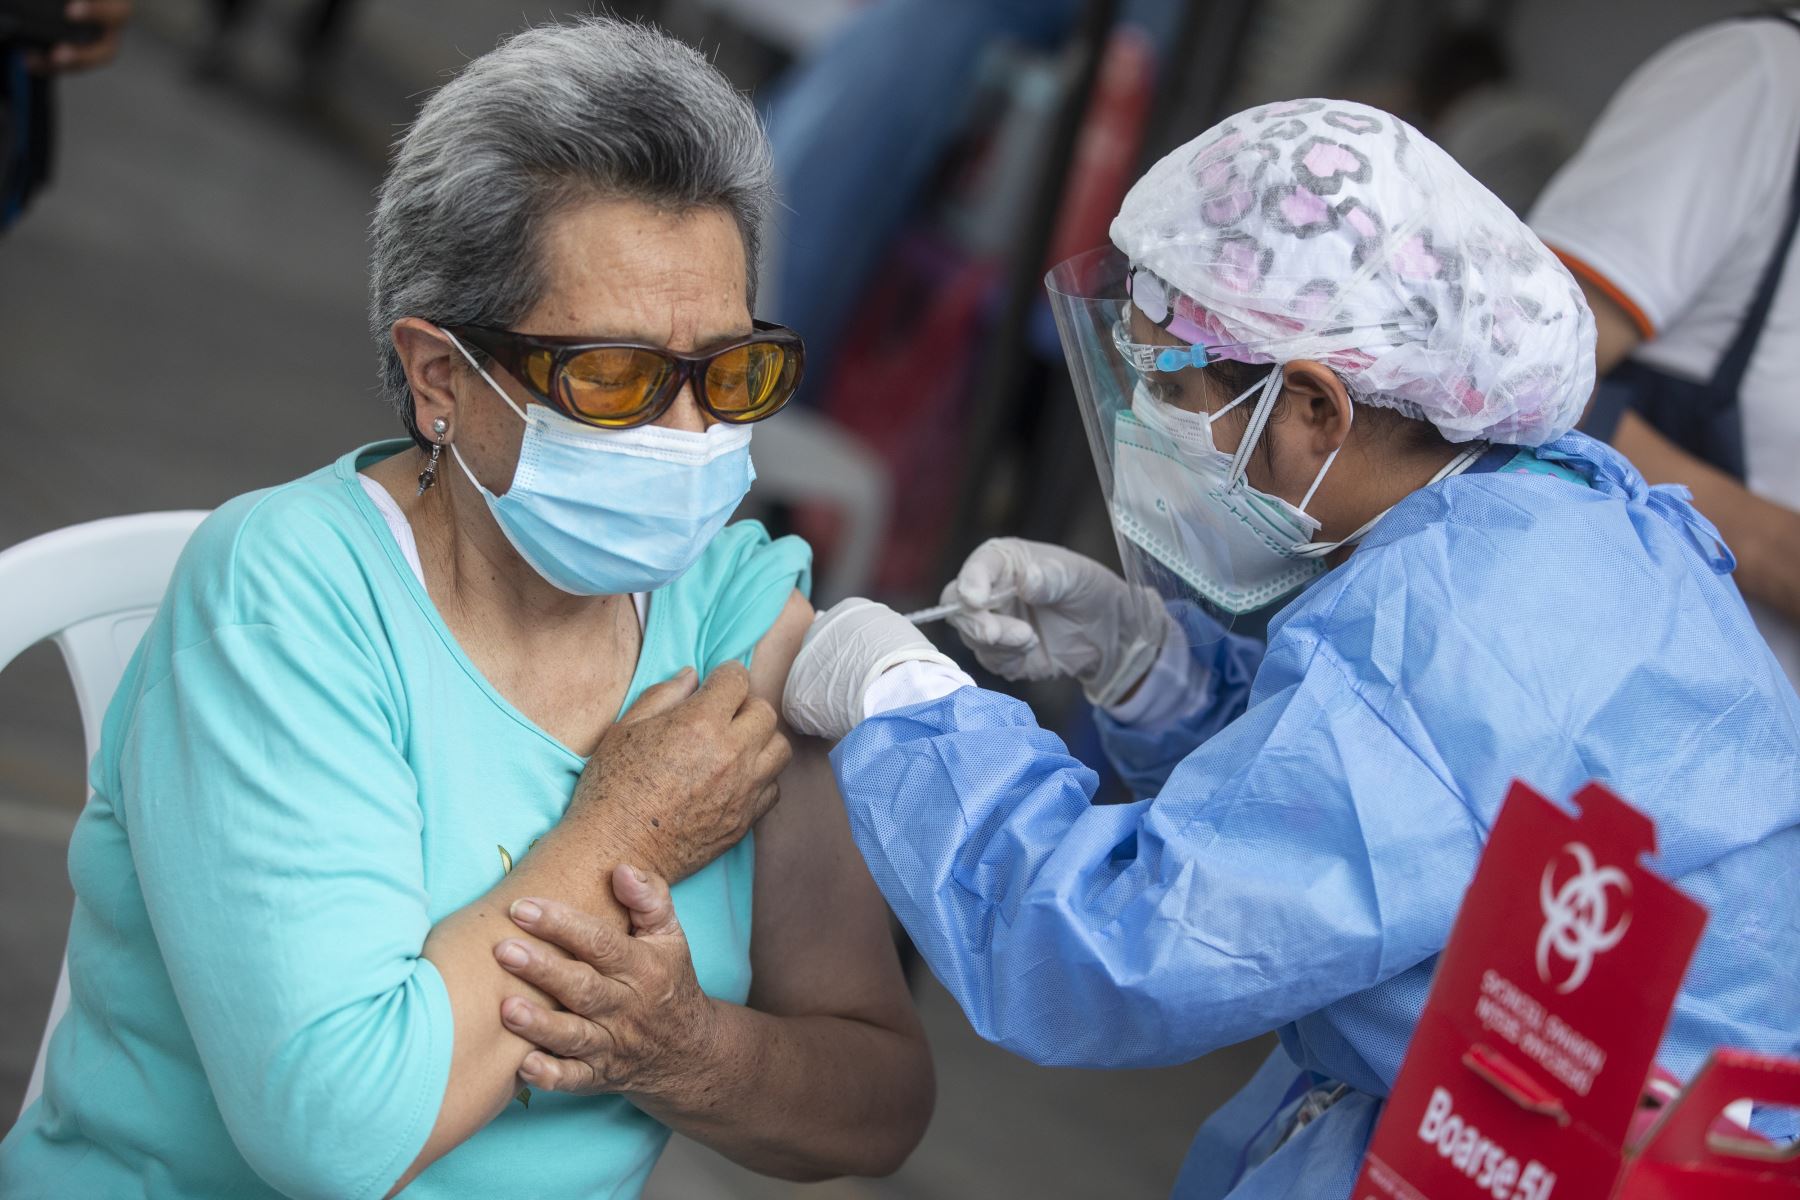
x=846 y=650
x=1066 y=615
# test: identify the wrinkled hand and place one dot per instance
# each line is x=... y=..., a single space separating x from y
x=1062 y=614
x=110 y=16
x=845 y=652
x=636 y=1017
x=686 y=772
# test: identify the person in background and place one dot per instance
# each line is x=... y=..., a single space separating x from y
x=1677 y=215
x=1471 y=103
x=857 y=129
x=27 y=96
x=315 y=37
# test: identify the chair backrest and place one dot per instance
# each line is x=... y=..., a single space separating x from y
x=808 y=458
x=91 y=589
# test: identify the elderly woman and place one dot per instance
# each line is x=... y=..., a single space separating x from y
x=371 y=845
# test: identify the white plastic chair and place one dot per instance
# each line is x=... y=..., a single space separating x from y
x=804 y=457
x=92 y=589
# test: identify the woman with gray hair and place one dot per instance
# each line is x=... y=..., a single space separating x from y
x=390 y=802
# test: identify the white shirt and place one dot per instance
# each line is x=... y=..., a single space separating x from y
x=1673 y=206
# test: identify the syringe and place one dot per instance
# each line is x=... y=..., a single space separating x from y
x=926 y=616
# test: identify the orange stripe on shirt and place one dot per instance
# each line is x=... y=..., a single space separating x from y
x=1646 y=329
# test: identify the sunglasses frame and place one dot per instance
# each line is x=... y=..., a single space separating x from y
x=511 y=349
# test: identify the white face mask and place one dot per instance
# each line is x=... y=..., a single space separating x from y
x=1176 y=498
x=1187 y=503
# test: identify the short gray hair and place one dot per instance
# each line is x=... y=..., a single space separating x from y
x=557 y=113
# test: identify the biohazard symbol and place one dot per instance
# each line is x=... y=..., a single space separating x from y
x=1575 y=917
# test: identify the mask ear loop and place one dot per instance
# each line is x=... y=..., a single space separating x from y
x=1456 y=466
x=1236 y=400
x=1259 y=420
x=498 y=391
x=482 y=371
x=1329 y=459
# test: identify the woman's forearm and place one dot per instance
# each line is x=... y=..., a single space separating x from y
x=1764 y=535
x=801 y=1098
x=572 y=864
x=669 y=787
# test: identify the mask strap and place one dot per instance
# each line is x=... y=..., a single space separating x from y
x=1329 y=459
x=1456 y=466
x=1318 y=479
x=1259 y=420
x=1460 y=463
x=468 y=474
x=482 y=371
x=1239 y=399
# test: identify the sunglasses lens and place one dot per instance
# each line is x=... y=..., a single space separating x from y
x=613 y=385
x=751 y=381
x=537 y=369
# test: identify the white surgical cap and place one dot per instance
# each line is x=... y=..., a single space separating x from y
x=1351 y=238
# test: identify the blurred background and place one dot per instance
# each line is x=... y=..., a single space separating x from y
x=182 y=319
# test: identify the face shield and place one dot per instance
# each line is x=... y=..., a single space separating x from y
x=1189 y=526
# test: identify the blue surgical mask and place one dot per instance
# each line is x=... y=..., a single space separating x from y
x=615 y=511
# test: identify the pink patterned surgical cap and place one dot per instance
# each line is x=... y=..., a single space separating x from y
x=1344 y=235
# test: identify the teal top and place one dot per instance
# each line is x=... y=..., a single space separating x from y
x=300 y=774
x=1526 y=462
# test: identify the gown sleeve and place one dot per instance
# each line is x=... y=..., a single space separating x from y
x=1144 y=754
x=1300 y=853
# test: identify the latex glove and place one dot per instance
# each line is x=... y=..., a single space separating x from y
x=846 y=651
x=1066 y=615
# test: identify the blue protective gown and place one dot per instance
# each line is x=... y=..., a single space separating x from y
x=1301 y=848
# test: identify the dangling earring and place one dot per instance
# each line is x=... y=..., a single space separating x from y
x=428 y=476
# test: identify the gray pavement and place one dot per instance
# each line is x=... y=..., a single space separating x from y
x=181 y=319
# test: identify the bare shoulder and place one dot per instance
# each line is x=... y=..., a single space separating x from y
x=809 y=808
x=819 y=939
x=775 y=653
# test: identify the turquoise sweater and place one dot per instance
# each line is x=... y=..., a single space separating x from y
x=300 y=774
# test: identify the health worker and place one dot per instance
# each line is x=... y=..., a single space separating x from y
x=1319 y=364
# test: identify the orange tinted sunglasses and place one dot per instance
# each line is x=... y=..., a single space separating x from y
x=616 y=385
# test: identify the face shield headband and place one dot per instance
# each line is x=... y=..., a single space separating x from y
x=1205 y=338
